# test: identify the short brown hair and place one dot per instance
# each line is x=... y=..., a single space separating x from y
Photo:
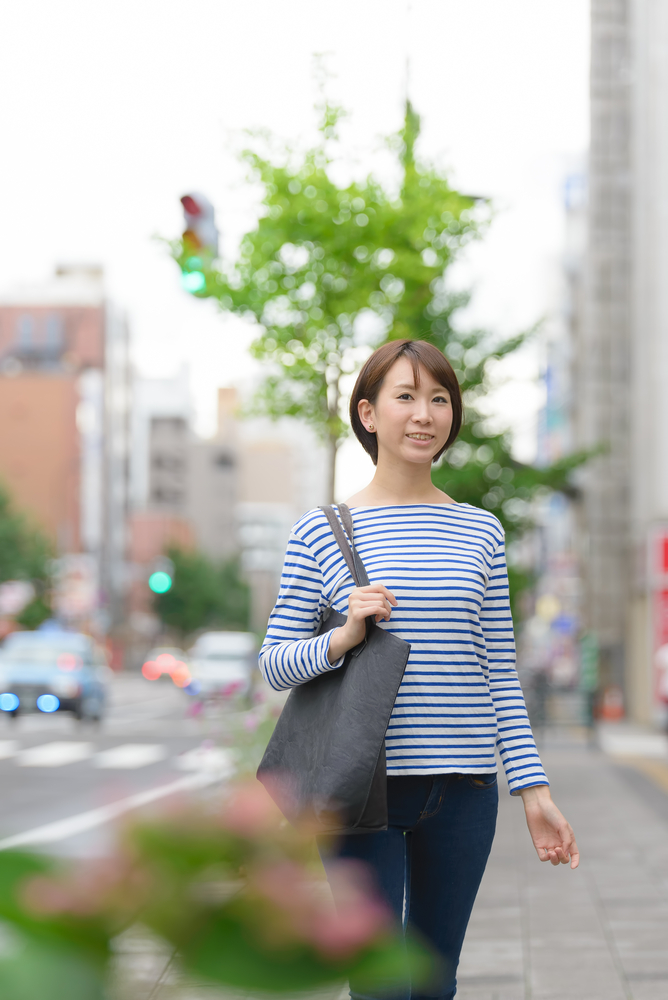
x=372 y=375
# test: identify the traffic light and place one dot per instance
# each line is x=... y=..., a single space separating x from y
x=200 y=241
x=161 y=577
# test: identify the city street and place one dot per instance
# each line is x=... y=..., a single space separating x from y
x=543 y=933
x=64 y=782
x=537 y=933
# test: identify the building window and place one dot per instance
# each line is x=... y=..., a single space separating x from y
x=53 y=336
x=25 y=332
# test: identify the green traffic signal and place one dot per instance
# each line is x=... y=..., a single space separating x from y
x=160 y=582
x=193 y=281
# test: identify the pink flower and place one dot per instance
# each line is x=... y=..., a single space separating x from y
x=356 y=918
x=249 y=811
x=358 y=915
x=229 y=690
x=88 y=891
x=251 y=722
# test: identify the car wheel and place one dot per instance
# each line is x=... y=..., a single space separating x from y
x=90 y=711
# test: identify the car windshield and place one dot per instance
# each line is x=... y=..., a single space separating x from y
x=46 y=654
x=219 y=656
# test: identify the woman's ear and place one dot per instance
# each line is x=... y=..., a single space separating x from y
x=366 y=414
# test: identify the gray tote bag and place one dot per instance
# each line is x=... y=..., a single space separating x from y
x=325 y=762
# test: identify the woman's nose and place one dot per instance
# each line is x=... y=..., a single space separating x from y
x=422 y=415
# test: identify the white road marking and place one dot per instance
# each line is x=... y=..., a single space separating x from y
x=54 y=754
x=73 y=825
x=8 y=748
x=130 y=755
x=204 y=759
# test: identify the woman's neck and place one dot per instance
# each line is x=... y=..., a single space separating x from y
x=399 y=483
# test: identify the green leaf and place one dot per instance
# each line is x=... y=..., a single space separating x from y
x=33 y=969
x=225 y=951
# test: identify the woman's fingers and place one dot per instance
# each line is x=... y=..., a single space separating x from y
x=562 y=854
x=571 y=851
x=547 y=854
x=379 y=610
x=374 y=600
x=568 y=849
x=378 y=588
x=370 y=604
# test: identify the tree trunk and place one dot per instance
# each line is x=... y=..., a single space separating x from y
x=332 y=448
x=333 y=397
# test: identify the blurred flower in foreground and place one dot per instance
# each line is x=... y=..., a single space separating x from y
x=237 y=893
x=357 y=918
x=111 y=887
x=249 y=811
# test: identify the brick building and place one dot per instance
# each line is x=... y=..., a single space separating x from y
x=64 y=405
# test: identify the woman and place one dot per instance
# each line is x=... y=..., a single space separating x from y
x=439 y=581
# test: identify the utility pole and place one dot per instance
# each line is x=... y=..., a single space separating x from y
x=603 y=406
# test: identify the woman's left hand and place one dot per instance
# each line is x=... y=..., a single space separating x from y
x=551 y=833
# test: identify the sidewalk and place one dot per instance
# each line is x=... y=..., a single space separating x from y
x=543 y=933
x=599 y=933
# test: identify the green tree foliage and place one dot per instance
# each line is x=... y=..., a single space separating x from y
x=479 y=469
x=25 y=554
x=204 y=594
x=325 y=263
x=322 y=258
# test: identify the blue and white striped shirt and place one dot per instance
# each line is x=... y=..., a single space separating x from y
x=445 y=564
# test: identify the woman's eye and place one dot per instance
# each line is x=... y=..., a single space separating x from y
x=405 y=395
x=440 y=399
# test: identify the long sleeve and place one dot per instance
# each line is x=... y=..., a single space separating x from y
x=515 y=741
x=291 y=653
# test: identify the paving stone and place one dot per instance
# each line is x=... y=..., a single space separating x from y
x=599 y=933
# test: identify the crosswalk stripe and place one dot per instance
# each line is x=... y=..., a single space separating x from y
x=204 y=759
x=8 y=748
x=73 y=825
x=54 y=754
x=128 y=756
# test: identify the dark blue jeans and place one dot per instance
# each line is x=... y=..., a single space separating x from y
x=428 y=864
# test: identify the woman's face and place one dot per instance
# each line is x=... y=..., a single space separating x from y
x=412 y=423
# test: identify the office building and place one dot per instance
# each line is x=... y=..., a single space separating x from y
x=64 y=409
x=622 y=352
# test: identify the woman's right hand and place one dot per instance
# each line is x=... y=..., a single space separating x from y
x=363 y=602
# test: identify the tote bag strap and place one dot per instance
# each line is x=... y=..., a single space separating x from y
x=348 y=550
x=347 y=519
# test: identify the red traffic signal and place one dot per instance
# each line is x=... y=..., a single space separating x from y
x=201 y=232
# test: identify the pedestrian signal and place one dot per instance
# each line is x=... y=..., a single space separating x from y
x=160 y=582
x=161 y=576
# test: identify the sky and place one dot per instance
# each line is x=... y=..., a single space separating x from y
x=112 y=111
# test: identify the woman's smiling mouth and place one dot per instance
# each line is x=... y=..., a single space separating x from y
x=421 y=437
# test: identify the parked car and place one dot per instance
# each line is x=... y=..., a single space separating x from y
x=167 y=663
x=222 y=665
x=53 y=671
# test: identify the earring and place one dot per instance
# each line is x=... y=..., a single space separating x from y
x=371 y=427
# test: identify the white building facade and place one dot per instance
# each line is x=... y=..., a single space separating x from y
x=622 y=367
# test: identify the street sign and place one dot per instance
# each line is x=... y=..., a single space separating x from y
x=658 y=584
